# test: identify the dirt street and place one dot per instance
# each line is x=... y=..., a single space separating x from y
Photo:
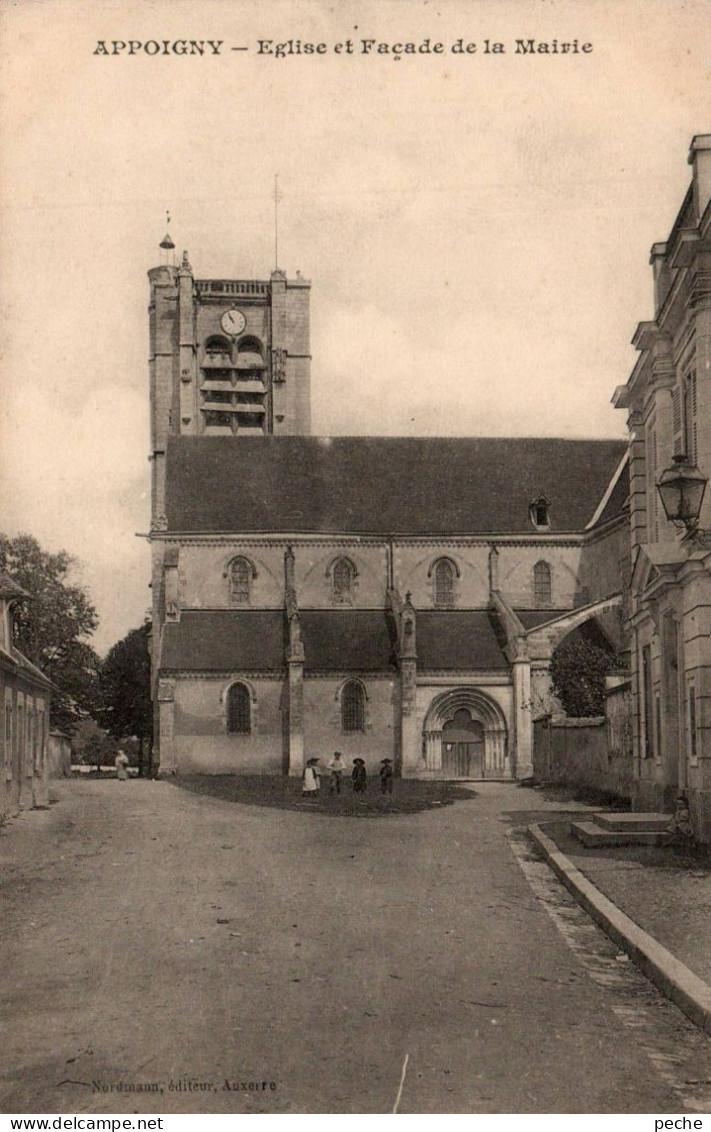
x=162 y=950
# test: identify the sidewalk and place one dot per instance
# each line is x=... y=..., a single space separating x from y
x=665 y=891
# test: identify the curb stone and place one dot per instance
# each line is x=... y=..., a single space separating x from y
x=674 y=979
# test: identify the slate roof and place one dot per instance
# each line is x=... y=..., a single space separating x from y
x=532 y=618
x=618 y=498
x=358 y=640
x=224 y=640
x=354 y=640
x=383 y=485
x=458 y=639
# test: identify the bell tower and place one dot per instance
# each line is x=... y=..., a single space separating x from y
x=227 y=357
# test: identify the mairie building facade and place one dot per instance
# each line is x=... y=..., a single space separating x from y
x=384 y=597
x=668 y=401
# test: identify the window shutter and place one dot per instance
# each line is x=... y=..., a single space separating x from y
x=652 y=494
x=692 y=401
x=655 y=493
x=677 y=422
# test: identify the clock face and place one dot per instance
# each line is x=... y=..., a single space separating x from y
x=233 y=322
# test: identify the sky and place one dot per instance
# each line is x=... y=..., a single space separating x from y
x=476 y=227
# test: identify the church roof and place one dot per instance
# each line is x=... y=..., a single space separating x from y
x=220 y=640
x=335 y=640
x=458 y=639
x=532 y=618
x=384 y=485
x=617 y=499
x=340 y=640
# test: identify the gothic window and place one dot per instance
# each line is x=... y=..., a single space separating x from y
x=342 y=582
x=541 y=584
x=241 y=573
x=353 y=706
x=444 y=583
x=238 y=710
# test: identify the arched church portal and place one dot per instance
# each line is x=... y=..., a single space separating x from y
x=464 y=736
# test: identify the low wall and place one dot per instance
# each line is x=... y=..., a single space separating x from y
x=594 y=753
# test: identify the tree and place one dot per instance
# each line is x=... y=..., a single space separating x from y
x=91 y=746
x=578 y=671
x=53 y=627
x=125 y=692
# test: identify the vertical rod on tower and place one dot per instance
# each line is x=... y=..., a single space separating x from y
x=276 y=221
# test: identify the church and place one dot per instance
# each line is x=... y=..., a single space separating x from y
x=384 y=597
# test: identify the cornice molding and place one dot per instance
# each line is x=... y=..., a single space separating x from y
x=481 y=675
x=567 y=538
x=223 y=674
x=347 y=673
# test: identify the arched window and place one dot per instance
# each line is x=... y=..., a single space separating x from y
x=240 y=574
x=444 y=583
x=353 y=707
x=342 y=581
x=238 y=710
x=541 y=584
x=218 y=351
x=250 y=345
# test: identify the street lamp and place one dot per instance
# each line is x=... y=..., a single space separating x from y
x=681 y=489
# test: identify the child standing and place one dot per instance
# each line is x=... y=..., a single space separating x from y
x=336 y=766
x=310 y=779
x=386 y=776
x=359 y=776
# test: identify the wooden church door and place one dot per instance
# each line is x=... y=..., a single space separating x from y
x=463 y=746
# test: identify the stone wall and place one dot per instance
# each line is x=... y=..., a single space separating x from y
x=587 y=753
x=198 y=741
x=322 y=721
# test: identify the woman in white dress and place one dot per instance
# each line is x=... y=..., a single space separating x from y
x=121 y=762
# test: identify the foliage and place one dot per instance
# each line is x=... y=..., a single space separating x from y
x=52 y=628
x=578 y=671
x=91 y=746
x=125 y=707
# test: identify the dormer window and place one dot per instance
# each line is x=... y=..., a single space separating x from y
x=538 y=511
